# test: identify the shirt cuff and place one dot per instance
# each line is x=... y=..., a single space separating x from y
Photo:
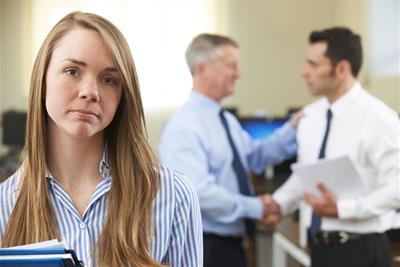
x=280 y=198
x=253 y=207
x=347 y=209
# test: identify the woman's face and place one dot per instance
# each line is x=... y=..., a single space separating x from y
x=83 y=87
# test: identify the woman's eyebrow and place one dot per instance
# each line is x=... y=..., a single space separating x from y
x=78 y=62
x=81 y=63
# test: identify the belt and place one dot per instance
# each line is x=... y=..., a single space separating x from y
x=336 y=238
x=221 y=237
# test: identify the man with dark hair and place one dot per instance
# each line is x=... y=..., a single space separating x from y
x=208 y=144
x=347 y=120
x=342 y=44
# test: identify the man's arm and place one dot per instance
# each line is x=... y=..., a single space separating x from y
x=289 y=195
x=279 y=146
x=381 y=144
x=383 y=151
x=184 y=151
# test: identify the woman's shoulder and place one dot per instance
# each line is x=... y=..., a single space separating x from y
x=176 y=185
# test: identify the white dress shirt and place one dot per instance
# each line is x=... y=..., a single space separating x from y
x=368 y=131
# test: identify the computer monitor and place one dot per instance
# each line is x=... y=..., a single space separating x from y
x=260 y=128
x=14 y=129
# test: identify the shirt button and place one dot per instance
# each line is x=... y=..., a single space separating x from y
x=83 y=226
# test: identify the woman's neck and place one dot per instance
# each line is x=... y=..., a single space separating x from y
x=74 y=161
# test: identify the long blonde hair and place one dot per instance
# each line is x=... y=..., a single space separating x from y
x=127 y=231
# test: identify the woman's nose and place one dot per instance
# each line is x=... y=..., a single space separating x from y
x=90 y=90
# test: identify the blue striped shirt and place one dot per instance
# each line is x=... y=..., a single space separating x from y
x=177 y=234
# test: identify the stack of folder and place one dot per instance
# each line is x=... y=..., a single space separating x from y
x=45 y=254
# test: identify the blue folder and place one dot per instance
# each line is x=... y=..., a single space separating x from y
x=38 y=258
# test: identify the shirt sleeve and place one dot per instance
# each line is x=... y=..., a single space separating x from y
x=186 y=243
x=279 y=146
x=183 y=150
x=289 y=195
x=382 y=146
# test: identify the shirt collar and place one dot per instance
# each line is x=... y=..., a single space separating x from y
x=344 y=101
x=104 y=166
x=202 y=100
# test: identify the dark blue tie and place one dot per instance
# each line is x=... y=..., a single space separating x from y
x=241 y=174
x=316 y=220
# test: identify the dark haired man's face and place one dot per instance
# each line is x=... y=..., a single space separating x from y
x=319 y=73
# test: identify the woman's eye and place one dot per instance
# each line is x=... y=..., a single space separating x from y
x=71 y=72
x=109 y=80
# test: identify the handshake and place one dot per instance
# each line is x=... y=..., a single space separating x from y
x=271 y=211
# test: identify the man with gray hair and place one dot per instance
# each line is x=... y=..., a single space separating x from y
x=206 y=143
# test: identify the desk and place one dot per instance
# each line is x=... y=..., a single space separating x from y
x=286 y=242
x=395 y=252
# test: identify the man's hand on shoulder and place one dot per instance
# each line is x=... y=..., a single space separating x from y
x=296 y=117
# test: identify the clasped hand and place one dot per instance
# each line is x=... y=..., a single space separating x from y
x=271 y=211
x=325 y=205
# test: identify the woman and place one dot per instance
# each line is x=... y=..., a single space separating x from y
x=89 y=177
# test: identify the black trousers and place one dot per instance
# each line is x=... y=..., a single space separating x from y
x=369 y=251
x=221 y=251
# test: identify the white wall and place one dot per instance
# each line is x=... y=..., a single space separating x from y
x=157 y=32
x=272 y=37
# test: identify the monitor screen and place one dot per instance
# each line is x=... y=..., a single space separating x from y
x=259 y=128
x=262 y=128
x=14 y=128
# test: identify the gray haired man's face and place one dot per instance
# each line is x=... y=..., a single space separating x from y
x=223 y=72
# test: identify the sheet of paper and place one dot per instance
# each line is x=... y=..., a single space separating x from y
x=50 y=244
x=35 y=257
x=338 y=175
